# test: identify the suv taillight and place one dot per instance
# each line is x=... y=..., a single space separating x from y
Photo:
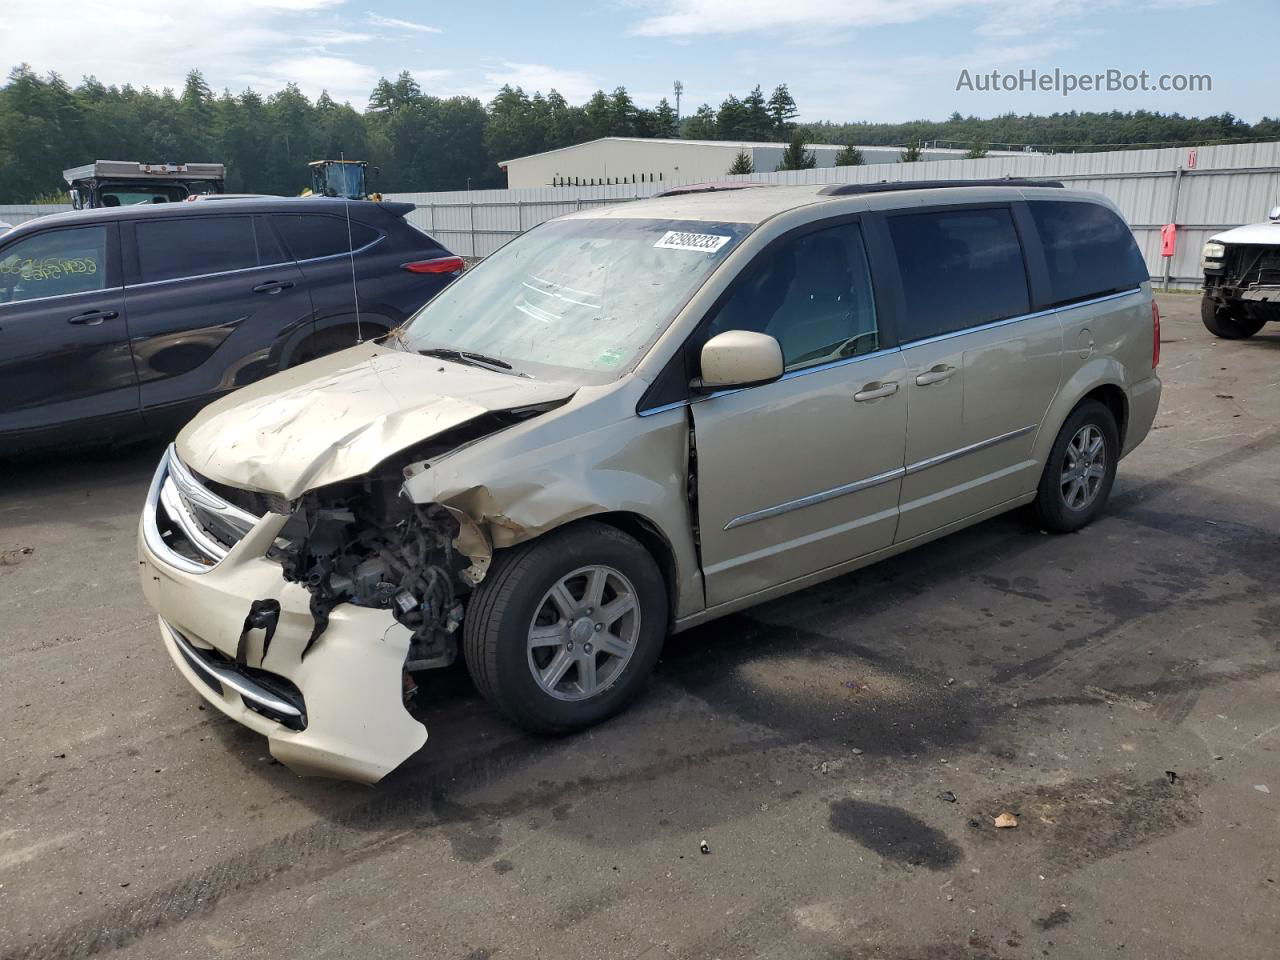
x=436 y=265
x=1155 y=335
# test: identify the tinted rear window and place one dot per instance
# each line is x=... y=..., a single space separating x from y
x=311 y=235
x=960 y=269
x=1090 y=251
x=194 y=246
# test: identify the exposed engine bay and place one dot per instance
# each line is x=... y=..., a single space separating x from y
x=364 y=541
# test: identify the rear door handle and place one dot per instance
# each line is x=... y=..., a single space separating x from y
x=93 y=317
x=875 y=390
x=273 y=286
x=935 y=375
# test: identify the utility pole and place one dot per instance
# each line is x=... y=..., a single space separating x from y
x=678 y=89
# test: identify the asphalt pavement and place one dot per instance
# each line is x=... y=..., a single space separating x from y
x=842 y=752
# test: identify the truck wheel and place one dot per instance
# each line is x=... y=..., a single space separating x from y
x=565 y=630
x=1222 y=322
x=1077 y=478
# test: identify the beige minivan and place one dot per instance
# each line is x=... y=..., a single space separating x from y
x=632 y=420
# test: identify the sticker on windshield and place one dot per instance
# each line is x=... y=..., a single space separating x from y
x=679 y=240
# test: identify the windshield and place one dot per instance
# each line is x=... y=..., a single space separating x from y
x=338 y=180
x=583 y=298
x=130 y=194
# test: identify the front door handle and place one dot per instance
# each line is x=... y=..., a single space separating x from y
x=273 y=286
x=875 y=390
x=936 y=374
x=93 y=317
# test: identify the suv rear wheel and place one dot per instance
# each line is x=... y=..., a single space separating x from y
x=1223 y=322
x=564 y=631
x=1081 y=469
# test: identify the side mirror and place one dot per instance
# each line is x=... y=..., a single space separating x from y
x=739 y=358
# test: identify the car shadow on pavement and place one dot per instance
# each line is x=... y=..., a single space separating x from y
x=82 y=472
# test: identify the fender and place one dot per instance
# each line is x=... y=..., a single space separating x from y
x=1098 y=371
x=535 y=477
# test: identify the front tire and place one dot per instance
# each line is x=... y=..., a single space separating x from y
x=565 y=630
x=1081 y=468
x=1222 y=322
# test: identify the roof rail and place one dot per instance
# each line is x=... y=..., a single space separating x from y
x=885 y=186
x=711 y=187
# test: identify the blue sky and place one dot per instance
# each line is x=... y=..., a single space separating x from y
x=852 y=60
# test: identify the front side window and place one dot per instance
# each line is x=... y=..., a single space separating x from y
x=812 y=294
x=578 y=298
x=960 y=269
x=1089 y=250
x=53 y=264
x=194 y=246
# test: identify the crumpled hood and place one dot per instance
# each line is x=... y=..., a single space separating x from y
x=339 y=416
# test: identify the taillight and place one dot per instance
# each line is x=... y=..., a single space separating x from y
x=437 y=265
x=1155 y=335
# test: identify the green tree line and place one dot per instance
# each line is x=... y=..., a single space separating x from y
x=424 y=142
x=1053 y=133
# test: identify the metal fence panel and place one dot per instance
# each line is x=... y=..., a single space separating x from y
x=1227 y=186
x=15 y=214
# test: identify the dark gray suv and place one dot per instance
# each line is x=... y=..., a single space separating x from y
x=124 y=321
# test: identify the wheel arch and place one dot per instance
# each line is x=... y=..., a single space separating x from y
x=1101 y=379
x=371 y=326
x=645 y=532
x=1116 y=400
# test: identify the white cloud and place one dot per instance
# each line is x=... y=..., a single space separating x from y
x=484 y=81
x=130 y=41
x=378 y=20
x=574 y=86
x=679 y=18
x=343 y=78
x=817 y=21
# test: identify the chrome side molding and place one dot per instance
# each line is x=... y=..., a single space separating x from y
x=815 y=498
x=865 y=484
x=956 y=454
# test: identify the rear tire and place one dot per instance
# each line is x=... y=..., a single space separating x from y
x=565 y=630
x=1081 y=468
x=1222 y=322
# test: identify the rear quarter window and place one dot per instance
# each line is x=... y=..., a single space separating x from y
x=1089 y=250
x=310 y=236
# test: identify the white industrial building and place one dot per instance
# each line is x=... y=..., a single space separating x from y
x=641 y=160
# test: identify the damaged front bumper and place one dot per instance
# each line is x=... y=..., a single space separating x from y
x=340 y=711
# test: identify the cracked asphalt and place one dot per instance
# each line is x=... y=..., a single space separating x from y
x=843 y=751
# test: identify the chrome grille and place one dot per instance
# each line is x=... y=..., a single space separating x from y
x=193 y=522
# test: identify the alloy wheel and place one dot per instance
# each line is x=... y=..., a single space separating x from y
x=1083 y=467
x=584 y=633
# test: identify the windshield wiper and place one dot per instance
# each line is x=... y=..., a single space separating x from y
x=465 y=356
